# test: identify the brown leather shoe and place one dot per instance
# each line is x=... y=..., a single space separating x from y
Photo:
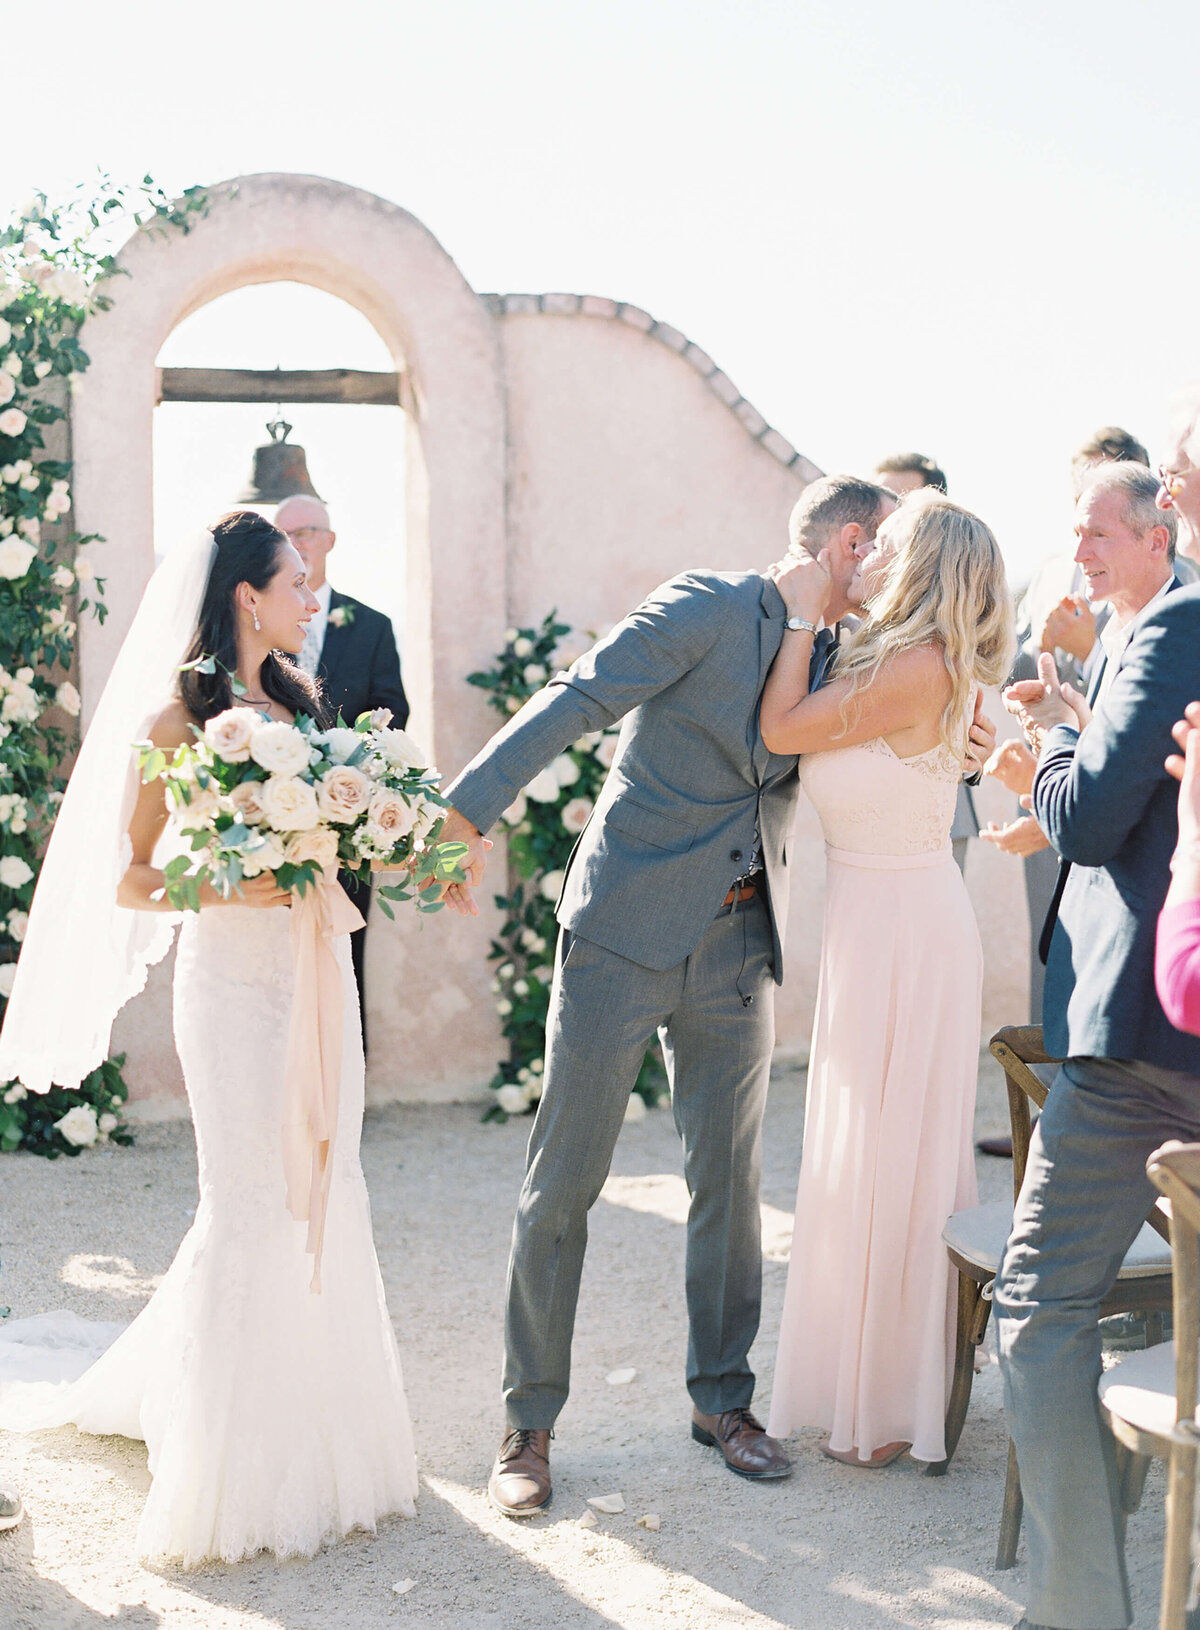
x=742 y=1440
x=520 y=1482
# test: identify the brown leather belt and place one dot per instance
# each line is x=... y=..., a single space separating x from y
x=740 y=895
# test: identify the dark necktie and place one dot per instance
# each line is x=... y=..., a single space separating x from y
x=824 y=646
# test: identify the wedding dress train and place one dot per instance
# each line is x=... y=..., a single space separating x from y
x=274 y=1418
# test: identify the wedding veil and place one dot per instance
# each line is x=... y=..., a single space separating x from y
x=83 y=955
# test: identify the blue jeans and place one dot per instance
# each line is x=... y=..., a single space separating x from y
x=1085 y=1196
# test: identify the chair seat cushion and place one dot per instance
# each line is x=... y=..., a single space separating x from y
x=1141 y=1389
x=979 y=1234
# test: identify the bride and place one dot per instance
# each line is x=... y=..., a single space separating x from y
x=274 y=1418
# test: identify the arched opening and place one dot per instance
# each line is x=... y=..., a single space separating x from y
x=355 y=451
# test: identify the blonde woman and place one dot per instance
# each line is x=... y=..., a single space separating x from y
x=868 y=1319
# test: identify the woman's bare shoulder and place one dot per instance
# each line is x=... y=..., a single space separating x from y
x=923 y=665
x=174 y=726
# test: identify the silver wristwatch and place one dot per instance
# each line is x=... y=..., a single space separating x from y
x=800 y=625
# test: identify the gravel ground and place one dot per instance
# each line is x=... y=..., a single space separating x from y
x=829 y=1548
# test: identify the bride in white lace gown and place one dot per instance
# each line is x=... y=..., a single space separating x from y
x=274 y=1417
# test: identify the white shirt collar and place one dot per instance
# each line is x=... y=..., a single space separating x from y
x=1114 y=636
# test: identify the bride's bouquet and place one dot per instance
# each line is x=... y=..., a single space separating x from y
x=252 y=795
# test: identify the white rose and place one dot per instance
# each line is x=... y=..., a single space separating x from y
x=389 y=818
x=606 y=750
x=83 y=566
x=8 y=975
x=537 y=1065
x=521 y=646
x=247 y=802
x=289 y=805
x=18 y=925
x=12 y=365
x=200 y=809
x=505 y=971
x=66 y=284
x=504 y=1008
x=381 y=717
x=510 y=635
x=544 y=788
x=29 y=483
x=280 y=748
x=401 y=751
x=14 y=873
x=63 y=578
x=342 y=794
x=79 y=1126
x=515 y=813
x=534 y=673
x=267 y=854
x=108 y=1123
x=565 y=770
x=16 y=1092
x=16 y=555
x=635 y=1109
x=24 y=676
x=320 y=844
x=12 y=422
x=513 y=704
x=576 y=814
x=5 y=331
x=29 y=526
x=57 y=503
x=339 y=743
x=7 y=295
x=528 y=938
x=511 y=1099
x=22 y=705
x=551 y=886
x=533 y=1090
x=228 y=734
x=42 y=368
x=7 y=389
x=67 y=698
x=521 y=987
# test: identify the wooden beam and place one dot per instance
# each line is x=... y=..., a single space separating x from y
x=278 y=385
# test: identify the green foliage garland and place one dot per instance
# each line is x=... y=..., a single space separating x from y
x=53 y=259
x=542 y=826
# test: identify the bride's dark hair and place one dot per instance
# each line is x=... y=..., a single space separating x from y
x=248 y=551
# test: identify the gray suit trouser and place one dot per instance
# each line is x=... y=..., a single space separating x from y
x=1085 y=1196
x=604 y=1012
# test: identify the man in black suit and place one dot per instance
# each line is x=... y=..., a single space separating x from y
x=351 y=649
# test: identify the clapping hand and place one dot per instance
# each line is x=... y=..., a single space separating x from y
x=1020 y=837
x=1070 y=627
x=1012 y=764
x=1042 y=703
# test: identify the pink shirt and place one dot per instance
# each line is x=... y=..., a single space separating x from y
x=1177 y=965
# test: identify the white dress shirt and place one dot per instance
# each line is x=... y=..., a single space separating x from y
x=1115 y=636
x=314 y=634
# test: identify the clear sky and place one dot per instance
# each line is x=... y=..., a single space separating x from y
x=961 y=226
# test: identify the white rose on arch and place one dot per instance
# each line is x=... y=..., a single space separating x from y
x=606 y=750
x=68 y=699
x=551 y=886
x=14 y=873
x=515 y=813
x=79 y=1126
x=576 y=814
x=8 y=977
x=565 y=770
x=12 y=422
x=16 y=556
x=7 y=389
x=512 y=1099
x=544 y=788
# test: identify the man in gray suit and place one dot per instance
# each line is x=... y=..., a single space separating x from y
x=1130 y=1080
x=672 y=921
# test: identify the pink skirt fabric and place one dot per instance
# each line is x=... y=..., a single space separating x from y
x=867 y=1338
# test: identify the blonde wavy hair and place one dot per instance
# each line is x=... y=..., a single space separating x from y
x=945 y=584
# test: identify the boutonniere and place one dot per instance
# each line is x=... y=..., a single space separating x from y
x=342 y=616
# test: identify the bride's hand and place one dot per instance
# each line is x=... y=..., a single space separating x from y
x=260 y=891
x=804 y=583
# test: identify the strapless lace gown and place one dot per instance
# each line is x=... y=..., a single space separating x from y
x=275 y=1418
x=867 y=1336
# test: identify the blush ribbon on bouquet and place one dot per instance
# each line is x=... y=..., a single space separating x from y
x=313 y=1072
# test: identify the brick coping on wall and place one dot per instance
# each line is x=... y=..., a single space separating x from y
x=722 y=387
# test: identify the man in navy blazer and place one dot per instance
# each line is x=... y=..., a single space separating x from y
x=1130 y=1081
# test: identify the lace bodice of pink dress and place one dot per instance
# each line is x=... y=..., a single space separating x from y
x=871 y=801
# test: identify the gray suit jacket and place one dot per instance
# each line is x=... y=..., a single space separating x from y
x=676 y=820
x=1108 y=806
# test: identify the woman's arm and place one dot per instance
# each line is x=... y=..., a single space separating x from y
x=143 y=886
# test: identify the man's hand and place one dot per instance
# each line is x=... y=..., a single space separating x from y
x=457 y=828
x=1013 y=765
x=981 y=739
x=1041 y=703
x=1020 y=837
x=1070 y=627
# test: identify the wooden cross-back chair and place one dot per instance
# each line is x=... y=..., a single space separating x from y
x=1149 y=1398
x=975 y=1240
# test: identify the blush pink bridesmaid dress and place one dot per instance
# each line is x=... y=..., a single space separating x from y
x=867 y=1337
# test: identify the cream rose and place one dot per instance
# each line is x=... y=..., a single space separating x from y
x=228 y=734
x=544 y=788
x=576 y=814
x=551 y=885
x=266 y=856
x=67 y=698
x=606 y=750
x=79 y=1126
x=565 y=770
x=289 y=805
x=339 y=743
x=12 y=422
x=7 y=389
x=8 y=977
x=247 y=801
x=343 y=793
x=321 y=845
x=14 y=873
x=512 y=1099
x=280 y=748
x=16 y=556
x=389 y=818
x=400 y=750
x=198 y=812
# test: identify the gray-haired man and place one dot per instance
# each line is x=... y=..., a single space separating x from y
x=672 y=917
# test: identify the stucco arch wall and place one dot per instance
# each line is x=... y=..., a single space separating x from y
x=435 y=1019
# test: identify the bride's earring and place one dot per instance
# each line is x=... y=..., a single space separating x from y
x=257 y=624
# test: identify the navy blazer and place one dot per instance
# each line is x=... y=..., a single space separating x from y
x=360 y=668
x=1108 y=806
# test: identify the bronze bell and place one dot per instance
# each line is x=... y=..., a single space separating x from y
x=280 y=470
